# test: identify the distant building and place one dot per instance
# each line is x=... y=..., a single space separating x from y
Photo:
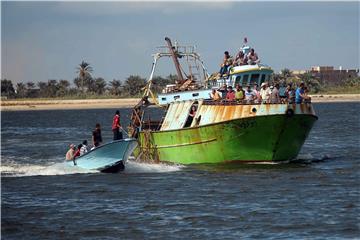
x=328 y=75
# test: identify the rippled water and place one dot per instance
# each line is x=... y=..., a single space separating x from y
x=315 y=198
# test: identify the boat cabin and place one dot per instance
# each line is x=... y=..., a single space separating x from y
x=243 y=75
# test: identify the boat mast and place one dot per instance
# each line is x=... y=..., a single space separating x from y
x=175 y=59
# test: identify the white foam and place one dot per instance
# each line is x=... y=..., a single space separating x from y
x=138 y=167
x=21 y=170
x=305 y=157
x=263 y=163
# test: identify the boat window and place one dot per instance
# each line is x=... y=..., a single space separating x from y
x=233 y=78
x=267 y=77
x=262 y=78
x=238 y=80
x=245 y=79
x=176 y=97
x=254 y=78
x=163 y=99
x=195 y=94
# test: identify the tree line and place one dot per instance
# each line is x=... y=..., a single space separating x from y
x=84 y=86
x=313 y=83
x=87 y=86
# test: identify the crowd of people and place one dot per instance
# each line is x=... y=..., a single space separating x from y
x=267 y=93
x=245 y=56
x=77 y=151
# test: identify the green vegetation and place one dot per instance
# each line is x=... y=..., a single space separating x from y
x=349 y=85
x=85 y=86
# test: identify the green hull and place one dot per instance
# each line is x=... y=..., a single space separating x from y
x=258 y=138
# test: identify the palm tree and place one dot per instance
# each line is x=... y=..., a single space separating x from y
x=84 y=71
x=115 y=86
x=134 y=84
x=63 y=86
x=100 y=85
x=52 y=88
x=7 y=88
x=20 y=90
x=286 y=73
x=43 y=89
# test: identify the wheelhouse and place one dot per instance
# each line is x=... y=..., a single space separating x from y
x=244 y=75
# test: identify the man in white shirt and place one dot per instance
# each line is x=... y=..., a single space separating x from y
x=265 y=93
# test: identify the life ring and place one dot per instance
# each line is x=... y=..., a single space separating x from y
x=289 y=112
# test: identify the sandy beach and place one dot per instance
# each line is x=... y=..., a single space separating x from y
x=33 y=104
x=335 y=98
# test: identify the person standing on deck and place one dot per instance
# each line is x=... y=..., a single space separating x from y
x=214 y=95
x=300 y=93
x=239 y=94
x=223 y=91
x=250 y=96
x=116 y=126
x=274 y=96
x=96 y=136
x=265 y=93
x=290 y=95
x=257 y=93
x=230 y=96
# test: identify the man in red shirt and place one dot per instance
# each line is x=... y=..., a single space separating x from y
x=116 y=126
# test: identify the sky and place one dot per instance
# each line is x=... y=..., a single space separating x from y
x=48 y=40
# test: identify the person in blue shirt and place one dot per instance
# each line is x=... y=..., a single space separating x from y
x=300 y=93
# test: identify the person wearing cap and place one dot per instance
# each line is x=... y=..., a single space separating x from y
x=230 y=95
x=116 y=126
x=70 y=153
x=265 y=93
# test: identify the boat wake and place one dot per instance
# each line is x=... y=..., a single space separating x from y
x=309 y=158
x=301 y=158
x=13 y=169
x=138 y=167
x=23 y=170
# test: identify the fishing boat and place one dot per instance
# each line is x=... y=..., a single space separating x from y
x=221 y=131
x=108 y=158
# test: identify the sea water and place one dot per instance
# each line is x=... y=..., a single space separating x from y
x=315 y=197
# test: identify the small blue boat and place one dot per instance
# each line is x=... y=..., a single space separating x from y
x=109 y=158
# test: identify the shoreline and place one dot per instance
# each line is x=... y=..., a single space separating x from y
x=33 y=104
